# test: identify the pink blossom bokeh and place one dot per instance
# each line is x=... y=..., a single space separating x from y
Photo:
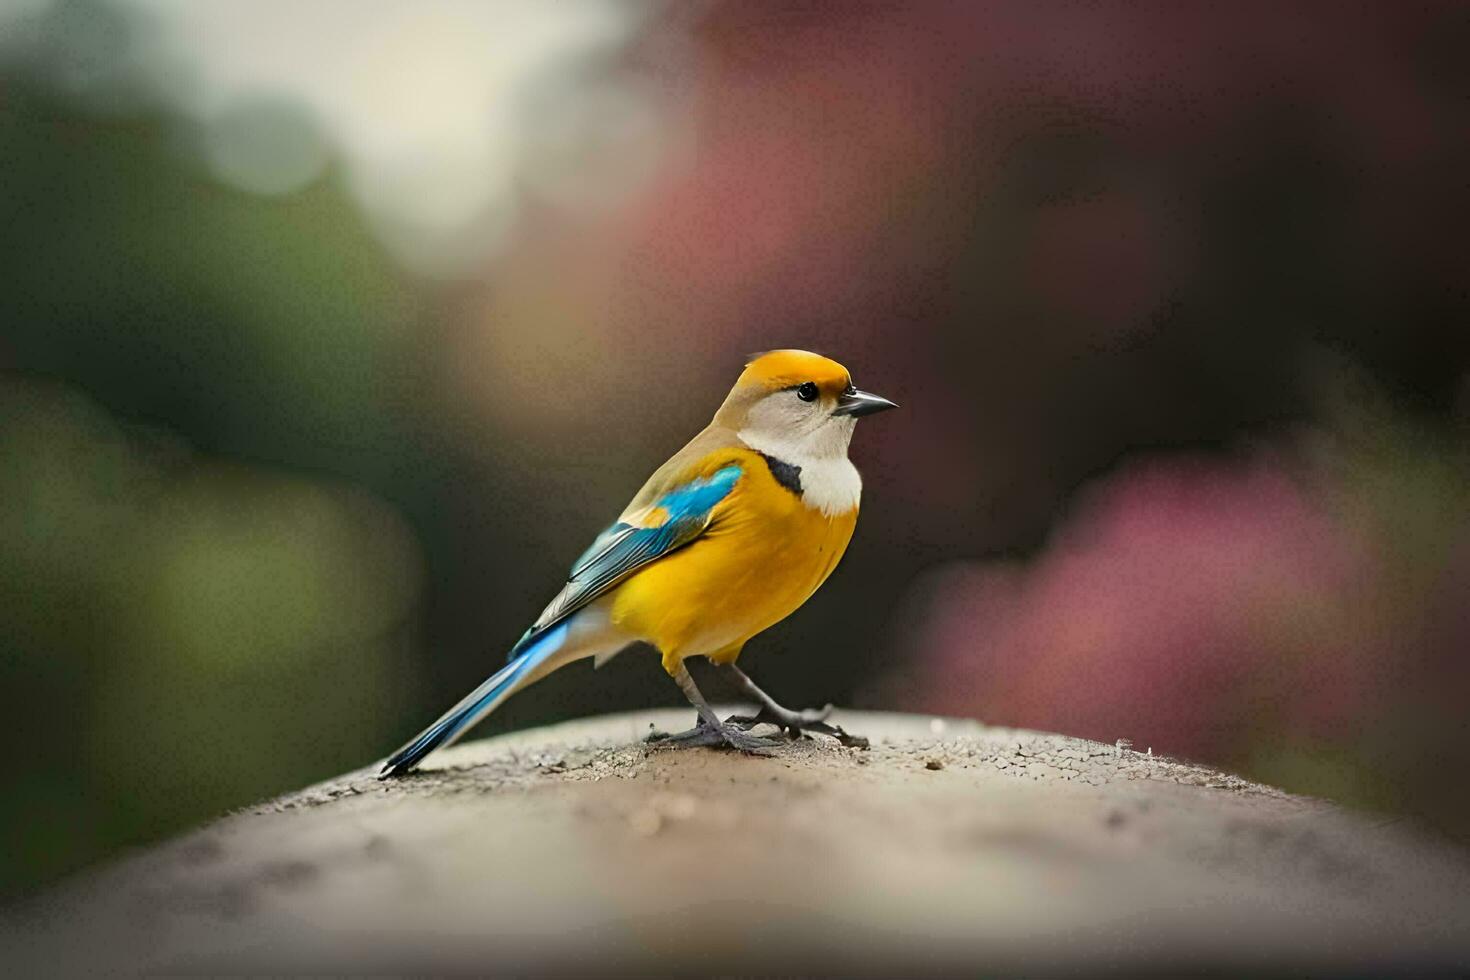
x=1228 y=608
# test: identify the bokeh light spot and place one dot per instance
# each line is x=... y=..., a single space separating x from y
x=265 y=146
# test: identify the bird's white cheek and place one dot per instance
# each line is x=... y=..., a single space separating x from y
x=808 y=437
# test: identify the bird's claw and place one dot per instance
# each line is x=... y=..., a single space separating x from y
x=796 y=724
x=723 y=735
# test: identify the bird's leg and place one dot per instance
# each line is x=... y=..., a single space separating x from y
x=795 y=723
x=710 y=730
x=770 y=708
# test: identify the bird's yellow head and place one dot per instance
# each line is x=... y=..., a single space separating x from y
x=797 y=405
x=778 y=370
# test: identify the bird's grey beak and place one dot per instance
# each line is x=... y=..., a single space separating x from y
x=858 y=403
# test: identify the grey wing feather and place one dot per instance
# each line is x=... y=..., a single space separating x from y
x=624 y=548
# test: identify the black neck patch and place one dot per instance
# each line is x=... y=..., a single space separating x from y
x=786 y=474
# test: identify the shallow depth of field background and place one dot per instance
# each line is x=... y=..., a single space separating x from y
x=332 y=332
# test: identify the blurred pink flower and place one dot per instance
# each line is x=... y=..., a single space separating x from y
x=1197 y=607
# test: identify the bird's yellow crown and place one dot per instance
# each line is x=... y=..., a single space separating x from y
x=777 y=369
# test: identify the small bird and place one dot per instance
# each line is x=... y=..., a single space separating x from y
x=726 y=539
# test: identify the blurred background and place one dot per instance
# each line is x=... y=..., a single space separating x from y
x=333 y=332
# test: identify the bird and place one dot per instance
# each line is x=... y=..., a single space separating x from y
x=729 y=537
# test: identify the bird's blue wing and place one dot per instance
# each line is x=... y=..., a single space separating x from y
x=684 y=513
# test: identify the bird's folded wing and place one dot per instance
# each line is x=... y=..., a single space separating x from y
x=675 y=518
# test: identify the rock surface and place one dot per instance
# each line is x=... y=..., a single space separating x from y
x=947 y=845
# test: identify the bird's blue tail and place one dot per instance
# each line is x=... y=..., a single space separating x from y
x=478 y=703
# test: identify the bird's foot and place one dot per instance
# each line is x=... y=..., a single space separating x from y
x=720 y=735
x=795 y=724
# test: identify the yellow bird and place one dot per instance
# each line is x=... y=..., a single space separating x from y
x=726 y=539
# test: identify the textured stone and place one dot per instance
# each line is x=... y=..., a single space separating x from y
x=578 y=848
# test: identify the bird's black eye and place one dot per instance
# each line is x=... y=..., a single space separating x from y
x=807 y=391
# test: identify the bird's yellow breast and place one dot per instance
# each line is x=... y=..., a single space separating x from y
x=763 y=555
